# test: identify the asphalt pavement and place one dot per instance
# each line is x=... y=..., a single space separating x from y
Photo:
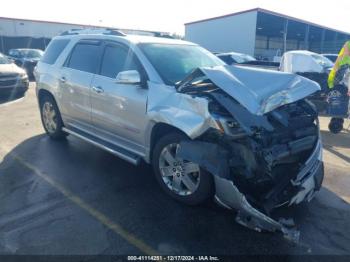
x=69 y=197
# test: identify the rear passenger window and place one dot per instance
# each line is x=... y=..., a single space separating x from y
x=53 y=51
x=85 y=57
x=116 y=59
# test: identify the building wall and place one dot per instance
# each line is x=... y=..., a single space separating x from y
x=24 y=28
x=232 y=33
x=18 y=33
x=15 y=33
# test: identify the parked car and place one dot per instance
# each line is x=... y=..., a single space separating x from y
x=26 y=58
x=332 y=57
x=246 y=137
x=13 y=80
x=233 y=58
x=313 y=66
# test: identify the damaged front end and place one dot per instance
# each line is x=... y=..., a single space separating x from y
x=264 y=150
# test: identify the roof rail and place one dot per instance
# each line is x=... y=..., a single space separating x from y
x=94 y=31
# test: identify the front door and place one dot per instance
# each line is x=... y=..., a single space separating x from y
x=119 y=110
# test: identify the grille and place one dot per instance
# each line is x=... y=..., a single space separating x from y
x=7 y=75
x=10 y=82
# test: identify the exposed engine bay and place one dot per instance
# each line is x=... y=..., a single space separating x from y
x=261 y=143
x=261 y=155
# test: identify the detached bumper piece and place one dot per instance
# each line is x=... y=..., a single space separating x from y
x=229 y=196
x=215 y=159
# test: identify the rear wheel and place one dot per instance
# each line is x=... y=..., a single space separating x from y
x=51 y=118
x=183 y=180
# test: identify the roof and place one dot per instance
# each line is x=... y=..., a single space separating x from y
x=26 y=49
x=152 y=39
x=136 y=39
x=302 y=52
x=261 y=10
x=75 y=24
x=230 y=53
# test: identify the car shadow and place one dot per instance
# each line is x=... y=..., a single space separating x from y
x=337 y=153
x=129 y=196
x=336 y=140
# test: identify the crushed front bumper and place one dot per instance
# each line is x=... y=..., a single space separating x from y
x=310 y=178
x=309 y=181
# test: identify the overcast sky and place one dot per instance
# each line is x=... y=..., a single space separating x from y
x=170 y=15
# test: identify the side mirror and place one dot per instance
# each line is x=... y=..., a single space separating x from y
x=129 y=77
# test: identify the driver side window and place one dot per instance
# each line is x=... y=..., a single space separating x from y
x=117 y=59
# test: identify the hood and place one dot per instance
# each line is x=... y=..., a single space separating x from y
x=260 y=91
x=10 y=69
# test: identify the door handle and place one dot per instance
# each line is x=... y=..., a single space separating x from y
x=63 y=79
x=98 y=89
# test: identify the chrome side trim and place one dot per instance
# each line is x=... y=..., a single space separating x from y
x=133 y=160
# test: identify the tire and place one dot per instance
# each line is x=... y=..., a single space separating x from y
x=180 y=191
x=336 y=125
x=52 y=123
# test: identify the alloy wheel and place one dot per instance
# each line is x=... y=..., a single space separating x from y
x=182 y=177
x=49 y=117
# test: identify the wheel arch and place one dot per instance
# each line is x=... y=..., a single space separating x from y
x=158 y=131
x=42 y=93
x=46 y=93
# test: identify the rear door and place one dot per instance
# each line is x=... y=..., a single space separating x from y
x=75 y=82
x=119 y=110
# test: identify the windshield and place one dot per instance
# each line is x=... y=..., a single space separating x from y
x=242 y=58
x=4 y=60
x=323 y=61
x=175 y=62
x=32 y=53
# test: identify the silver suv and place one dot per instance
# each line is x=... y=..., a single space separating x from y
x=246 y=137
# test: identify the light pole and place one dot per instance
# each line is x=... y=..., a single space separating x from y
x=2 y=41
x=285 y=32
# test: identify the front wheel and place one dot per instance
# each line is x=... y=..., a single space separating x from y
x=182 y=180
x=51 y=118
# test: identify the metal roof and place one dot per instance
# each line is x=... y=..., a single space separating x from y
x=261 y=10
x=74 y=24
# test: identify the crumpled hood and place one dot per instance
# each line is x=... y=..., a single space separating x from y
x=260 y=91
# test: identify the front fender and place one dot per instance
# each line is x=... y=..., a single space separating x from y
x=185 y=112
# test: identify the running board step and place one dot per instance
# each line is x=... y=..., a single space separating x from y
x=115 y=150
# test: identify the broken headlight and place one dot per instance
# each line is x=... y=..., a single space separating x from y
x=224 y=121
